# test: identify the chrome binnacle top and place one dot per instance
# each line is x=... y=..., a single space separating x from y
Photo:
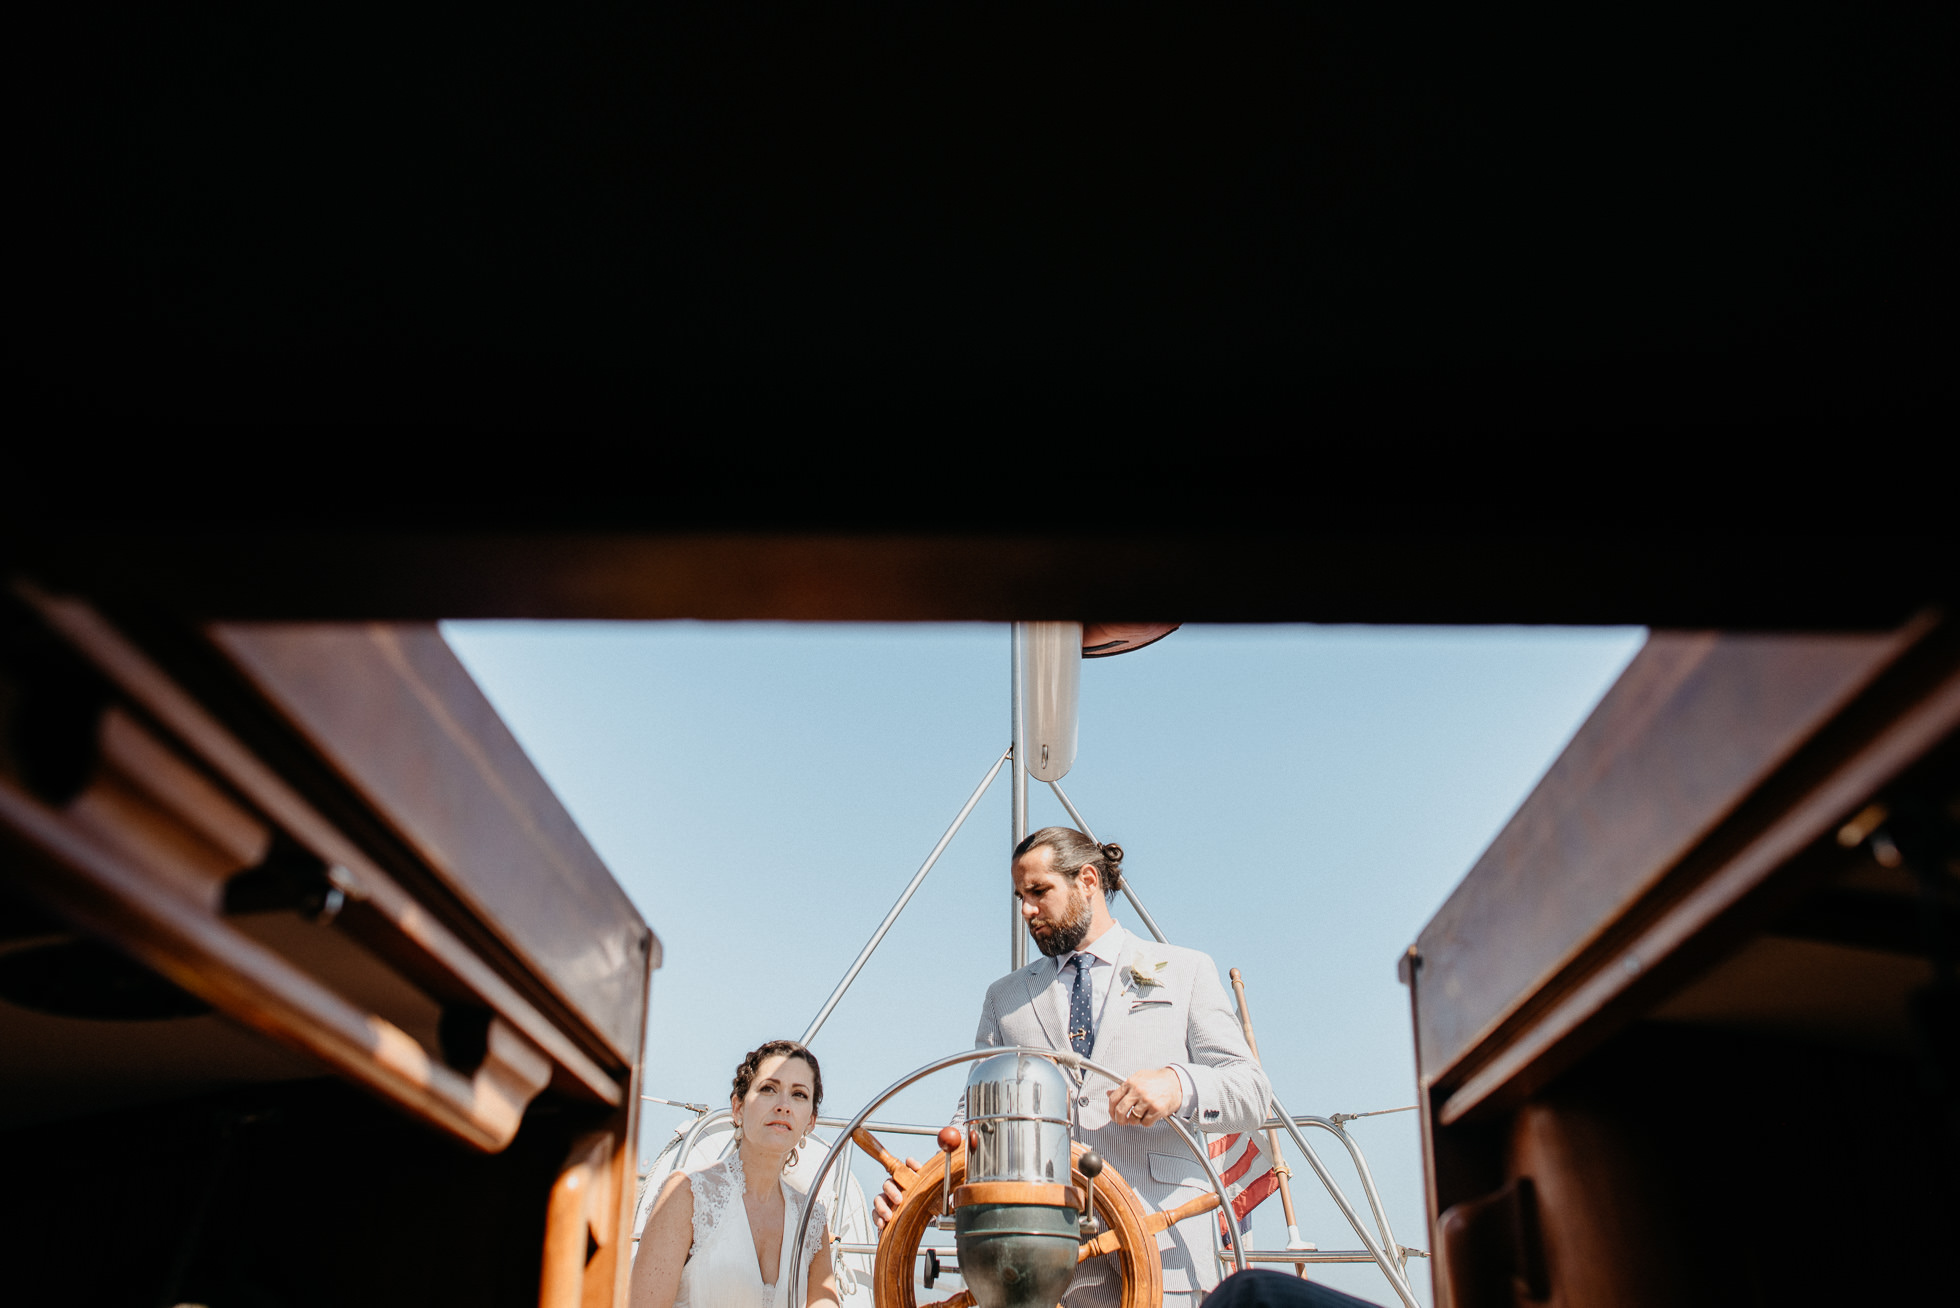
x=1017 y=1120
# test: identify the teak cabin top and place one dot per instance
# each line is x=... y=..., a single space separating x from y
x=1699 y=992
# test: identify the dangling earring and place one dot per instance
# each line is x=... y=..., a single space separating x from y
x=795 y=1155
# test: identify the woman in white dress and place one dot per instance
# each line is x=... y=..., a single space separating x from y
x=720 y=1237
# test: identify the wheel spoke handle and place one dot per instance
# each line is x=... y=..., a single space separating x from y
x=900 y=1173
x=1107 y=1243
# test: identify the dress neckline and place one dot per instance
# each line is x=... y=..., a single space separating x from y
x=740 y=1180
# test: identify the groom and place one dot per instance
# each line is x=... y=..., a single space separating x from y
x=1153 y=1014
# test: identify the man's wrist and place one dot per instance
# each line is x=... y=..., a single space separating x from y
x=1189 y=1103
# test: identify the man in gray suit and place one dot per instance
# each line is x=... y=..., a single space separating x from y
x=1153 y=1014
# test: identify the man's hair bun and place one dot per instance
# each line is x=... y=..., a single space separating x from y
x=1073 y=850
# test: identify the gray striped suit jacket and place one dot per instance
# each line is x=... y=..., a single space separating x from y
x=1185 y=1020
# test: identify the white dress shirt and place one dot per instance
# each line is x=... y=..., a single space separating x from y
x=1102 y=953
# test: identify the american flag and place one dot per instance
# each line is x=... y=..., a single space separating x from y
x=1249 y=1175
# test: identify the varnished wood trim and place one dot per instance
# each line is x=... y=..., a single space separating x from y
x=144 y=682
x=1017 y=1192
x=103 y=891
x=853 y=571
x=1516 y=1069
x=581 y=1216
x=155 y=768
x=1697 y=722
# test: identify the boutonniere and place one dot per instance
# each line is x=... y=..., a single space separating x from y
x=1149 y=974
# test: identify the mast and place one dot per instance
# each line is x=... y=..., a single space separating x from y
x=1017 y=935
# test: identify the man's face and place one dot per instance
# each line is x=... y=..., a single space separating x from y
x=1055 y=906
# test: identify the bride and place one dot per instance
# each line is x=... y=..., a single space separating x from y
x=720 y=1237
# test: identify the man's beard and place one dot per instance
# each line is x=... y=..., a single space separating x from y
x=1066 y=936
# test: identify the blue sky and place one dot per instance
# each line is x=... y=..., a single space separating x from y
x=1294 y=800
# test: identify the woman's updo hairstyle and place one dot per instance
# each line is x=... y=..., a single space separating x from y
x=1072 y=850
x=752 y=1063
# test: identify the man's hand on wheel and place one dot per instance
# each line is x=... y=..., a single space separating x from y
x=1146 y=1098
x=887 y=1200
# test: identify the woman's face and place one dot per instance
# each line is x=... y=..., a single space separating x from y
x=779 y=1108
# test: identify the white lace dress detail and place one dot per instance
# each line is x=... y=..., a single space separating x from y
x=721 y=1269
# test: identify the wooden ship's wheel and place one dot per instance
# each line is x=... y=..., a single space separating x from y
x=1130 y=1229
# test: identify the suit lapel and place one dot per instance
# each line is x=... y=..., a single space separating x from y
x=1045 y=997
x=1121 y=991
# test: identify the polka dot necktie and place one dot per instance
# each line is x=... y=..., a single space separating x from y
x=1081 y=1032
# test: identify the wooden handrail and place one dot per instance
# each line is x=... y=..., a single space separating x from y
x=107 y=893
x=380 y=897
